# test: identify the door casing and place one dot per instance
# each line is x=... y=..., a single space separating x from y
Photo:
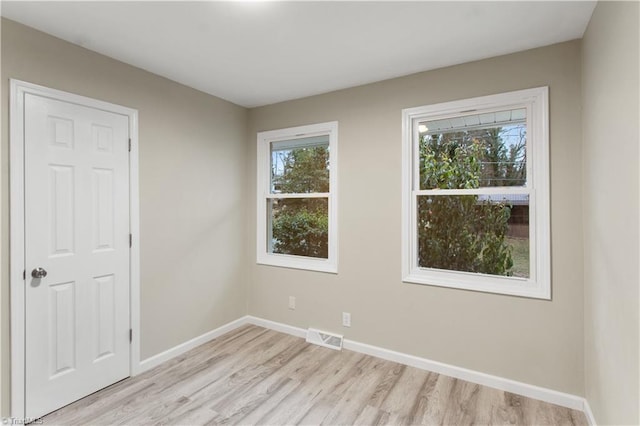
x=17 y=266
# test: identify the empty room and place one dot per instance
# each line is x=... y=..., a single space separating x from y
x=337 y=213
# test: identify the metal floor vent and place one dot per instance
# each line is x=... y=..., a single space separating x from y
x=323 y=338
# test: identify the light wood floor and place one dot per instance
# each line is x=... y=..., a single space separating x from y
x=257 y=376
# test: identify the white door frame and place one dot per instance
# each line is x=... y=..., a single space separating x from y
x=17 y=232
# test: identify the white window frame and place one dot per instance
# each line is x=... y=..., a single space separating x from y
x=538 y=285
x=265 y=139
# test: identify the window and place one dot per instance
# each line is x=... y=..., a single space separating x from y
x=297 y=197
x=476 y=194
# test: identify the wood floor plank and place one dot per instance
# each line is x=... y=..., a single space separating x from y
x=347 y=404
x=87 y=409
x=297 y=403
x=191 y=415
x=248 y=375
x=410 y=381
x=235 y=364
x=423 y=398
x=288 y=374
x=438 y=401
x=332 y=395
x=255 y=376
x=462 y=403
x=356 y=397
x=368 y=416
x=386 y=384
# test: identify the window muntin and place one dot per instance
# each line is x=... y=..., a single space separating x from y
x=297 y=216
x=475 y=196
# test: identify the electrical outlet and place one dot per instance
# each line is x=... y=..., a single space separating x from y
x=346 y=319
x=292 y=302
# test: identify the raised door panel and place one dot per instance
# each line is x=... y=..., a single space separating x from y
x=62 y=329
x=102 y=138
x=61 y=210
x=104 y=325
x=103 y=209
x=60 y=132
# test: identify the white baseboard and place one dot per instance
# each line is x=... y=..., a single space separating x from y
x=158 y=359
x=277 y=326
x=536 y=392
x=543 y=394
x=496 y=382
x=588 y=413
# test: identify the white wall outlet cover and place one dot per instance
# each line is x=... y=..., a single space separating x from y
x=346 y=319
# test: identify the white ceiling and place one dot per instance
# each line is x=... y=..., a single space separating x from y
x=258 y=53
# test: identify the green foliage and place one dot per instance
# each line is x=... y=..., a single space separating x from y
x=303 y=170
x=472 y=159
x=462 y=232
x=447 y=164
x=301 y=229
x=301 y=226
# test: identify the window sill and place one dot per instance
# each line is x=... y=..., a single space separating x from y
x=298 y=262
x=510 y=286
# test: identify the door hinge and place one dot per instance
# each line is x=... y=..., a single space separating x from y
x=130 y=335
x=24 y=274
x=129 y=144
x=130 y=240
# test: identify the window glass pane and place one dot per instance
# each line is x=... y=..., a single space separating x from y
x=300 y=165
x=474 y=151
x=487 y=234
x=298 y=226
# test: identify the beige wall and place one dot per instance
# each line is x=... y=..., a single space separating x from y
x=534 y=341
x=192 y=179
x=611 y=214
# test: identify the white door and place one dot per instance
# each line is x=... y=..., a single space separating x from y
x=77 y=230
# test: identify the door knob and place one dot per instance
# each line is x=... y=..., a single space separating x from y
x=38 y=273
